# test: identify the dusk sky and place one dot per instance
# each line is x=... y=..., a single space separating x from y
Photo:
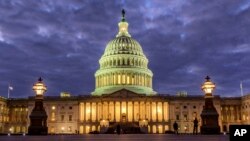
x=184 y=40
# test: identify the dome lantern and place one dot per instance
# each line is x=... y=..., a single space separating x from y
x=123 y=26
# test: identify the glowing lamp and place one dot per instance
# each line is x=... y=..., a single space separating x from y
x=39 y=87
x=208 y=86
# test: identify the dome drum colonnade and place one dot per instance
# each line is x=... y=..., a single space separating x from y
x=123 y=65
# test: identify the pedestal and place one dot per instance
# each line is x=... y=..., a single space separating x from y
x=38 y=119
x=209 y=117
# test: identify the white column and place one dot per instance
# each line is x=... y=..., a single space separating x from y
x=114 y=112
x=133 y=114
x=126 y=111
x=120 y=111
x=85 y=113
x=151 y=111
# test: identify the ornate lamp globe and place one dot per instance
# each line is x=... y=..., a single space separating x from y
x=208 y=87
x=39 y=87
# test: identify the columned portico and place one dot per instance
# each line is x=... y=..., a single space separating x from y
x=125 y=107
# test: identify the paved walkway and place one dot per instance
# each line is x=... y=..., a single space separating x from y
x=124 y=137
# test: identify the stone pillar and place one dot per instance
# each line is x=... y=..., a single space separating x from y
x=162 y=109
x=85 y=112
x=101 y=81
x=136 y=79
x=157 y=113
x=120 y=111
x=238 y=112
x=110 y=77
x=96 y=111
x=125 y=78
x=133 y=114
x=114 y=112
x=145 y=109
x=108 y=111
x=145 y=80
x=127 y=111
x=102 y=109
x=151 y=118
x=80 y=112
x=139 y=117
x=113 y=79
x=91 y=111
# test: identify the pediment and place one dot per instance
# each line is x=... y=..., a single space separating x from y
x=123 y=93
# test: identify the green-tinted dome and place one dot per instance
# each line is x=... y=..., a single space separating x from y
x=123 y=66
x=123 y=45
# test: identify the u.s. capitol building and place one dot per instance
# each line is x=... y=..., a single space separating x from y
x=123 y=95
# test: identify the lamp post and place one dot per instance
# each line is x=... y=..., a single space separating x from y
x=209 y=115
x=38 y=116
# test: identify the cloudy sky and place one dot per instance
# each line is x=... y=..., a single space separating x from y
x=184 y=40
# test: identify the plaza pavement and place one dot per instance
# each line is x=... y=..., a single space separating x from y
x=114 y=137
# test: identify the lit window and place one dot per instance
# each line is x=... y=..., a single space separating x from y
x=53 y=116
x=53 y=107
x=185 y=117
x=128 y=80
x=119 y=79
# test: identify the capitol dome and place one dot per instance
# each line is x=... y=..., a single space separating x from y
x=123 y=65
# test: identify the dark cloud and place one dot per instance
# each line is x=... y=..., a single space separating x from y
x=184 y=41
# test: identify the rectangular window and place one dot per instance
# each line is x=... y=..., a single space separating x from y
x=119 y=79
x=53 y=116
x=128 y=80
x=177 y=117
x=185 y=117
x=62 y=117
x=70 y=117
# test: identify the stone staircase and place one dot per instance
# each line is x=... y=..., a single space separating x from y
x=126 y=128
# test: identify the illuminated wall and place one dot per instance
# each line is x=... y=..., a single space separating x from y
x=4 y=114
x=70 y=115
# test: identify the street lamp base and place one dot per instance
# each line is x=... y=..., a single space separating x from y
x=210 y=130
x=37 y=130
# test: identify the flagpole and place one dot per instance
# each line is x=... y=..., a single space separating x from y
x=9 y=91
x=241 y=88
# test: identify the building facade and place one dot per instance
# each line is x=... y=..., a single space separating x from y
x=123 y=96
x=153 y=114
